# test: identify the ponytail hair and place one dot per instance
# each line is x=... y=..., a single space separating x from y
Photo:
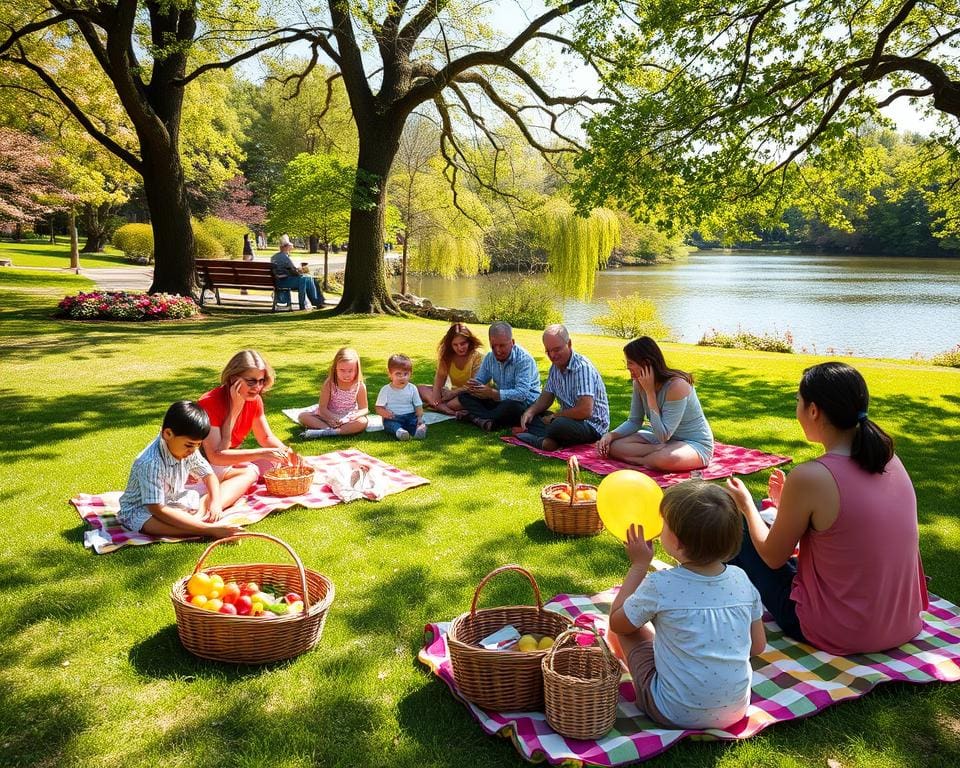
x=841 y=393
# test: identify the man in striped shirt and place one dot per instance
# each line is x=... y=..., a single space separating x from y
x=576 y=384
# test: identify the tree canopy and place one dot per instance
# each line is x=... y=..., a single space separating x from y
x=720 y=104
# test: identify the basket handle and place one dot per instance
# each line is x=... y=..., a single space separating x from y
x=573 y=477
x=573 y=635
x=502 y=569
x=275 y=540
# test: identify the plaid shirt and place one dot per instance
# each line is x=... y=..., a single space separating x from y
x=156 y=477
x=580 y=378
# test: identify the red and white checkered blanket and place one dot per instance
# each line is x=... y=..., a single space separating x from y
x=107 y=535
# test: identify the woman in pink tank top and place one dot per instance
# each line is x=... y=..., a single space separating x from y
x=857 y=585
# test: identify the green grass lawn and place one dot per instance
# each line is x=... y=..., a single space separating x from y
x=37 y=253
x=93 y=673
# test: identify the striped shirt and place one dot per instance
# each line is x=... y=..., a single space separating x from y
x=580 y=378
x=516 y=378
x=156 y=477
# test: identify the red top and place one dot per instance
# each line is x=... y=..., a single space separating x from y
x=859 y=586
x=216 y=403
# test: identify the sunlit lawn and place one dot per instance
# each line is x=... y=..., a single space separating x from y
x=92 y=670
x=40 y=253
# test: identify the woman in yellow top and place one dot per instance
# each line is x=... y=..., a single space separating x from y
x=458 y=359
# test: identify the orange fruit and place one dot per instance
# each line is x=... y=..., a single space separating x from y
x=200 y=584
x=561 y=496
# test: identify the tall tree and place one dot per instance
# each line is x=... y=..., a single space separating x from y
x=721 y=101
x=430 y=52
x=314 y=199
x=29 y=187
x=150 y=50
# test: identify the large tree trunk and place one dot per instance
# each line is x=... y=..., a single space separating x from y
x=166 y=193
x=94 y=224
x=365 y=280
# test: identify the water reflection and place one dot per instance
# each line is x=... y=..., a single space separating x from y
x=876 y=307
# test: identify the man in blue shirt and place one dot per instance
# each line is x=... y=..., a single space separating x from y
x=574 y=382
x=514 y=382
x=288 y=276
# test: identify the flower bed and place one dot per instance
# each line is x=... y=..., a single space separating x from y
x=120 y=305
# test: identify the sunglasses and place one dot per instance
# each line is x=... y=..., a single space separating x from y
x=255 y=382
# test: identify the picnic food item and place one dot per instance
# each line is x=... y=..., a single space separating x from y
x=292 y=478
x=504 y=680
x=292 y=628
x=627 y=496
x=527 y=643
x=581 y=684
x=571 y=507
x=545 y=642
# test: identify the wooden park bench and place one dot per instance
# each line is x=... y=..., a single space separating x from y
x=5 y=262
x=214 y=274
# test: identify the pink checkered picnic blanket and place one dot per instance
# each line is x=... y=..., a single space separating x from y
x=727 y=460
x=790 y=680
x=107 y=535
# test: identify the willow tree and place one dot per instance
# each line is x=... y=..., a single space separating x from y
x=150 y=50
x=576 y=245
x=394 y=57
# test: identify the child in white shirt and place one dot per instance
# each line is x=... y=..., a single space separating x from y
x=399 y=402
x=691 y=663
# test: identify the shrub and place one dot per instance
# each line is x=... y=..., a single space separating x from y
x=522 y=303
x=767 y=342
x=205 y=245
x=948 y=359
x=119 y=305
x=228 y=233
x=630 y=317
x=135 y=240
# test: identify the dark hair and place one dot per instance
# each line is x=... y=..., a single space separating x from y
x=644 y=351
x=705 y=518
x=841 y=393
x=399 y=363
x=445 y=348
x=187 y=419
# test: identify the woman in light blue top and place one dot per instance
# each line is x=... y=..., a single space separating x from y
x=678 y=438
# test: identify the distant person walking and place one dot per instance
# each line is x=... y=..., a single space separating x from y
x=248 y=255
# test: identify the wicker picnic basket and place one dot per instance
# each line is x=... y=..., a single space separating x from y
x=289 y=480
x=501 y=680
x=254 y=639
x=573 y=517
x=581 y=686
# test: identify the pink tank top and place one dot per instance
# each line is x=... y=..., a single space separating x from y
x=342 y=401
x=859 y=586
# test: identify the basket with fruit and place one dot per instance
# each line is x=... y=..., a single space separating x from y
x=292 y=478
x=571 y=507
x=254 y=613
x=503 y=680
x=581 y=684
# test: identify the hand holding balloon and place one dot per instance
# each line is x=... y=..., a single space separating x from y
x=639 y=550
x=628 y=497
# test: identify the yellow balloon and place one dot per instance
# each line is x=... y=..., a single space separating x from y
x=627 y=496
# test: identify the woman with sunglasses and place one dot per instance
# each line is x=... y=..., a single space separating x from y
x=235 y=409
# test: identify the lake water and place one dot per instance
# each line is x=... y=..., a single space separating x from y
x=851 y=305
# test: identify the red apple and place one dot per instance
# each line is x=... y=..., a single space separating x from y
x=230 y=592
x=228 y=608
x=291 y=597
x=250 y=588
x=244 y=605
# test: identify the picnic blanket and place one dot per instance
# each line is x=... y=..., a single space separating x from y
x=340 y=476
x=374 y=422
x=790 y=680
x=727 y=460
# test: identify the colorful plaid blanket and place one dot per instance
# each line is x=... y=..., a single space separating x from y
x=790 y=680
x=107 y=535
x=727 y=460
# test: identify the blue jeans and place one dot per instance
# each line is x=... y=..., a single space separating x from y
x=563 y=431
x=306 y=289
x=407 y=421
x=503 y=413
x=773 y=584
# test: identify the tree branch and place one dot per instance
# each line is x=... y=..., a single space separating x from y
x=889 y=29
x=124 y=154
x=28 y=29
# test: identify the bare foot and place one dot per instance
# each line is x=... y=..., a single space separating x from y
x=223 y=531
